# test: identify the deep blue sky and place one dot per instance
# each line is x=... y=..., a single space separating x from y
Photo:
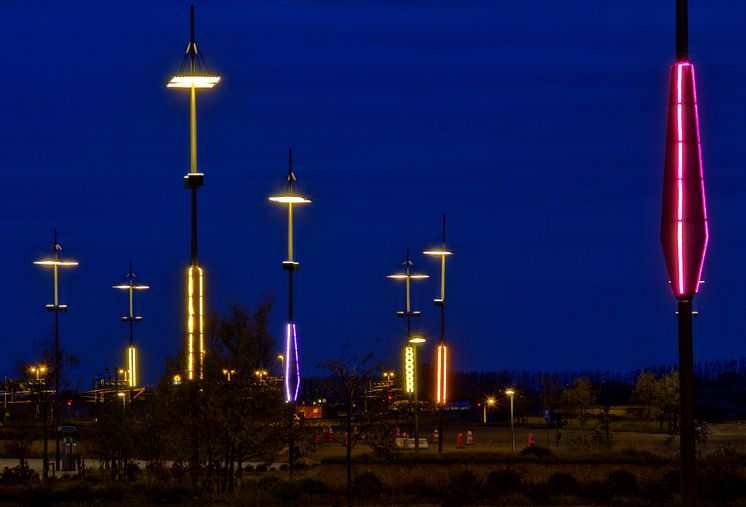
x=537 y=127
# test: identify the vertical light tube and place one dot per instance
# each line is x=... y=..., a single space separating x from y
x=190 y=323
x=292 y=364
x=409 y=369
x=132 y=365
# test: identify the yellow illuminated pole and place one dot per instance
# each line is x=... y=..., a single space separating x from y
x=194 y=76
x=291 y=361
x=489 y=402
x=56 y=261
x=130 y=285
x=407 y=275
x=511 y=393
x=39 y=371
x=442 y=355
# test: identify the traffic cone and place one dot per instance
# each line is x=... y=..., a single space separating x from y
x=436 y=436
x=460 y=441
x=531 y=441
x=469 y=438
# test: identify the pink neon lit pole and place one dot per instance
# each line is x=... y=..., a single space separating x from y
x=684 y=232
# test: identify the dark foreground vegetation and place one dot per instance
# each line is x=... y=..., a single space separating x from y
x=536 y=477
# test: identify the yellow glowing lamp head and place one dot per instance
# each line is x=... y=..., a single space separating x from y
x=289 y=199
x=55 y=262
x=128 y=286
x=203 y=81
x=509 y=392
x=417 y=340
x=404 y=276
x=490 y=401
x=438 y=251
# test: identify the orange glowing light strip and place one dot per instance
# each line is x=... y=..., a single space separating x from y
x=442 y=374
x=195 y=310
x=409 y=369
x=132 y=366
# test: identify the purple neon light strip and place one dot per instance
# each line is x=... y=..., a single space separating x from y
x=295 y=361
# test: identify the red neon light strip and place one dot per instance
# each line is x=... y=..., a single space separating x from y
x=680 y=182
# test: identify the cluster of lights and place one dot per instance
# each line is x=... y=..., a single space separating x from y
x=195 y=319
x=132 y=365
x=409 y=369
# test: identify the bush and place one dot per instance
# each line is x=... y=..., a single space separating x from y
x=168 y=493
x=419 y=489
x=366 y=485
x=596 y=490
x=562 y=483
x=19 y=474
x=538 y=452
x=622 y=482
x=464 y=488
x=285 y=491
x=507 y=480
x=718 y=477
x=313 y=486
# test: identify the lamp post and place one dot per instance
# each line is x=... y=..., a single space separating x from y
x=684 y=232
x=194 y=75
x=131 y=286
x=40 y=371
x=442 y=356
x=407 y=275
x=511 y=393
x=56 y=261
x=489 y=402
x=291 y=196
x=281 y=358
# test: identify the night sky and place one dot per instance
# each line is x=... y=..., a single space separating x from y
x=537 y=127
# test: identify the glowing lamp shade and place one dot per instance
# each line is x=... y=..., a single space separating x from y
x=289 y=199
x=54 y=262
x=194 y=80
x=684 y=231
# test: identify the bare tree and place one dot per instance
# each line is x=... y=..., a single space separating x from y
x=348 y=383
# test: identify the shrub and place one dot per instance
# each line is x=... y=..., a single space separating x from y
x=19 y=474
x=367 y=485
x=538 y=452
x=507 y=480
x=718 y=477
x=622 y=482
x=464 y=487
x=313 y=486
x=285 y=491
x=418 y=488
x=562 y=483
x=168 y=493
x=596 y=490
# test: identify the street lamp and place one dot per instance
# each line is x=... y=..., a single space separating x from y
x=291 y=362
x=410 y=353
x=290 y=197
x=131 y=286
x=442 y=356
x=490 y=402
x=56 y=261
x=281 y=358
x=40 y=371
x=684 y=232
x=194 y=75
x=511 y=393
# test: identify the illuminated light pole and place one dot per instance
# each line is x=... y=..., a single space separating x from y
x=291 y=196
x=410 y=380
x=684 y=232
x=489 y=402
x=511 y=393
x=40 y=371
x=281 y=358
x=131 y=286
x=194 y=75
x=56 y=261
x=441 y=391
